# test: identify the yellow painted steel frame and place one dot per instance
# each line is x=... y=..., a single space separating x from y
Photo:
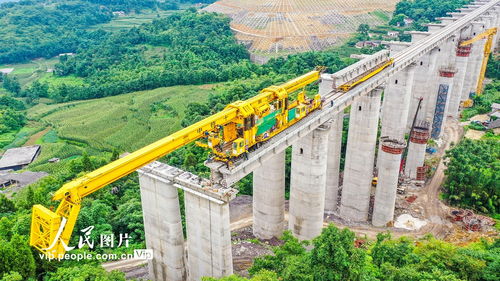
x=489 y=34
x=348 y=86
x=47 y=226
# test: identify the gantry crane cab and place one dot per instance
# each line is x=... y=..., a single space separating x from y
x=229 y=134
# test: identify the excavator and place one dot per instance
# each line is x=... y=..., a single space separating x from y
x=229 y=134
x=489 y=35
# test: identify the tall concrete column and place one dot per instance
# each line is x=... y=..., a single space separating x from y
x=396 y=104
x=479 y=56
x=208 y=237
x=441 y=101
x=360 y=156
x=461 y=61
x=333 y=164
x=269 y=198
x=416 y=149
x=475 y=58
x=388 y=176
x=163 y=228
x=307 y=187
x=425 y=74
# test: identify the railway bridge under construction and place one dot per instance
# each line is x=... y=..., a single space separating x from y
x=433 y=72
x=427 y=81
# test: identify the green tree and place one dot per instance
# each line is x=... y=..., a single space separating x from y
x=6 y=205
x=364 y=29
x=11 y=84
x=334 y=256
x=85 y=272
x=16 y=256
x=12 y=276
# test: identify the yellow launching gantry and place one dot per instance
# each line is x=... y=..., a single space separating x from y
x=365 y=76
x=229 y=133
x=489 y=34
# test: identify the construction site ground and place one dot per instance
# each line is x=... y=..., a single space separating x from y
x=422 y=203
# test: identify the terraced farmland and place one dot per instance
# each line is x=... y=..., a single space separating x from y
x=288 y=26
x=126 y=122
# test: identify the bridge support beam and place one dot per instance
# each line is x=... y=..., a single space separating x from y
x=163 y=228
x=307 y=187
x=209 y=237
x=333 y=164
x=269 y=198
x=360 y=157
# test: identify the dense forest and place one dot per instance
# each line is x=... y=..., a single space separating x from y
x=335 y=256
x=36 y=28
x=473 y=180
x=424 y=11
x=184 y=48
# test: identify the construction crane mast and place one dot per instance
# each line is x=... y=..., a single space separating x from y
x=229 y=133
x=489 y=35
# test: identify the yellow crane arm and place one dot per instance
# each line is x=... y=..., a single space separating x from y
x=488 y=32
x=50 y=232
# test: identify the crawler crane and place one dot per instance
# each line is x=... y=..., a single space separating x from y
x=489 y=35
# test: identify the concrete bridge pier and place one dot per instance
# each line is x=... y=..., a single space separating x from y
x=478 y=56
x=425 y=74
x=396 y=103
x=209 y=237
x=461 y=61
x=440 y=98
x=307 y=187
x=394 y=120
x=163 y=228
x=333 y=163
x=388 y=176
x=269 y=198
x=360 y=156
x=416 y=151
x=475 y=59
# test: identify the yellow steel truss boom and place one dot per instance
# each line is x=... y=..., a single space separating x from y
x=488 y=34
x=51 y=232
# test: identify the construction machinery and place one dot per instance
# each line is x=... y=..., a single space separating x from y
x=489 y=35
x=365 y=76
x=229 y=133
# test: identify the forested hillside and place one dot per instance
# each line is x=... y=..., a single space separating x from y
x=37 y=28
x=424 y=11
x=335 y=257
x=184 y=48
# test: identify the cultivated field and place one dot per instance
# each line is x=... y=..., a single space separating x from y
x=275 y=26
x=126 y=122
